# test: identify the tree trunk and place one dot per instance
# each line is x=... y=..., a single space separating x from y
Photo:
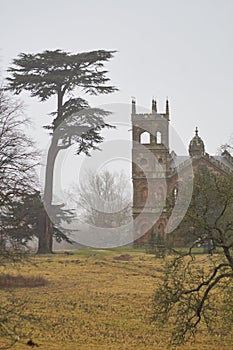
x=45 y=225
x=44 y=237
x=46 y=228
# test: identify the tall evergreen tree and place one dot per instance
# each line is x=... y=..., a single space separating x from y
x=61 y=74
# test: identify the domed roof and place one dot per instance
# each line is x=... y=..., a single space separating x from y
x=196 y=146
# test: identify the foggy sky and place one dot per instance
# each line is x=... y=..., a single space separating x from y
x=179 y=48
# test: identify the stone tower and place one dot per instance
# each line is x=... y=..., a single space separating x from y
x=150 y=170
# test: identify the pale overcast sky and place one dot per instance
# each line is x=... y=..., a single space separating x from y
x=182 y=49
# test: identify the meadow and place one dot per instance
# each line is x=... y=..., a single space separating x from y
x=92 y=299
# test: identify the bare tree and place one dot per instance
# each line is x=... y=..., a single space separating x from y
x=103 y=199
x=196 y=292
x=18 y=185
x=227 y=147
x=18 y=159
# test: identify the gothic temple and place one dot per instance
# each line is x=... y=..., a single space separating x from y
x=157 y=171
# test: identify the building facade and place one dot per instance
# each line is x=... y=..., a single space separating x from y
x=157 y=172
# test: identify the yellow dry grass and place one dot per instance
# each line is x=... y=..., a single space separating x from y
x=93 y=301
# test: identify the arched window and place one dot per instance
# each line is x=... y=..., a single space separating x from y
x=158 y=137
x=161 y=228
x=144 y=193
x=175 y=193
x=145 y=137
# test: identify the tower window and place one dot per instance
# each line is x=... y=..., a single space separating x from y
x=161 y=228
x=145 y=137
x=175 y=194
x=158 y=137
x=144 y=193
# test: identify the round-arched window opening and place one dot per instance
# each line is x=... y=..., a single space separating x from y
x=145 y=137
x=160 y=161
x=144 y=193
x=175 y=193
x=158 y=137
x=161 y=228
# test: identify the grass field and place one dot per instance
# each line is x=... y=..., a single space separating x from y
x=93 y=301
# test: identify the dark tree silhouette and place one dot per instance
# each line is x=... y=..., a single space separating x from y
x=58 y=73
x=196 y=291
x=18 y=180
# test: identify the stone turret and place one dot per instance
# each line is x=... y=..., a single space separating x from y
x=133 y=106
x=196 y=146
